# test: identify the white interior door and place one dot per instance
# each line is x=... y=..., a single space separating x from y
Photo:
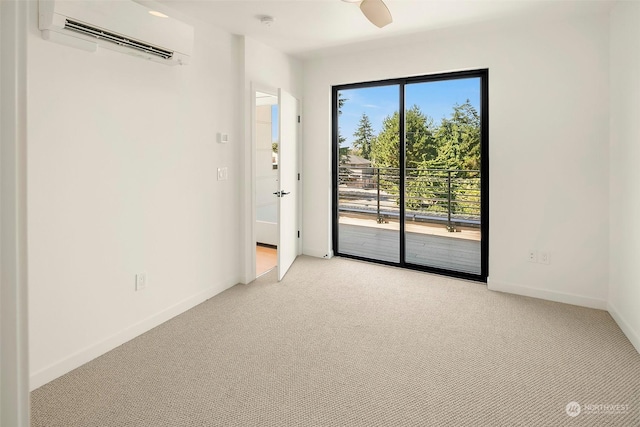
x=288 y=182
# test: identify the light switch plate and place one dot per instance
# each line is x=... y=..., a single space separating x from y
x=141 y=281
x=223 y=174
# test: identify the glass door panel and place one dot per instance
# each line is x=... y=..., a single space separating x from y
x=442 y=174
x=368 y=212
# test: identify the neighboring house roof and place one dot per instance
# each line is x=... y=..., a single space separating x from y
x=353 y=160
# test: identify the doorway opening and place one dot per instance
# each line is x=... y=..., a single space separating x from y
x=410 y=172
x=266 y=181
x=272 y=169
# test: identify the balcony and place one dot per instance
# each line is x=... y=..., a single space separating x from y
x=442 y=216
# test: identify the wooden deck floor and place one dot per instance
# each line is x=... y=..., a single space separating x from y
x=422 y=249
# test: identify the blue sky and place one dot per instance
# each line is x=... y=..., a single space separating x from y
x=435 y=99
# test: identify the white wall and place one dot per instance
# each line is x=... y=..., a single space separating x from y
x=270 y=68
x=548 y=133
x=624 y=210
x=265 y=69
x=122 y=159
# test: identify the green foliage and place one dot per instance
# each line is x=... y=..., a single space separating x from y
x=385 y=150
x=419 y=139
x=363 y=137
x=458 y=139
x=343 y=152
x=431 y=152
x=420 y=143
x=442 y=161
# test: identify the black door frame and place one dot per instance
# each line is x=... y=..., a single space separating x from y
x=483 y=74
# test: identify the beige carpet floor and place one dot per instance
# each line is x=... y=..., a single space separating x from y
x=345 y=343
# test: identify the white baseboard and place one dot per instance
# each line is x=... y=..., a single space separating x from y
x=547 y=295
x=318 y=253
x=75 y=360
x=627 y=329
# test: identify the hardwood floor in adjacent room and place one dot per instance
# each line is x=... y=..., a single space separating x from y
x=266 y=259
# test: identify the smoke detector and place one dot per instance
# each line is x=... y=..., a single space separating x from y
x=266 y=20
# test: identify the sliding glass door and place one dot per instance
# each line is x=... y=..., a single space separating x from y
x=410 y=172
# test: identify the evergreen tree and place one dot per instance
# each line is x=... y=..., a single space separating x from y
x=343 y=152
x=419 y=139
x=430 y=153
x=420 y=147
x=364 y=137
x=454 y=145
x=385 y=149
x=458 y=140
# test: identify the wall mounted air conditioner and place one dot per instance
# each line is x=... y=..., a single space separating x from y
x=120 y=25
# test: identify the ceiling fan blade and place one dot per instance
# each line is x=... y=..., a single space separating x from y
x=377 y=12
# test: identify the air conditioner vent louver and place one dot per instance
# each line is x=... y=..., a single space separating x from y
x=121 y=25
x=115 y=38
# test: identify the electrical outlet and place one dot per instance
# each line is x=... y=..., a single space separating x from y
x=141 y=281
x=533 y=256
x=543 y=258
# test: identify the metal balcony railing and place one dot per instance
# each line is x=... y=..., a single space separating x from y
x=431 y=195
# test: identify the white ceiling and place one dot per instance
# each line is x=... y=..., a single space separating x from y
x=305 y=27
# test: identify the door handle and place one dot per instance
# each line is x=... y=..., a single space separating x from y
x=281 y=193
